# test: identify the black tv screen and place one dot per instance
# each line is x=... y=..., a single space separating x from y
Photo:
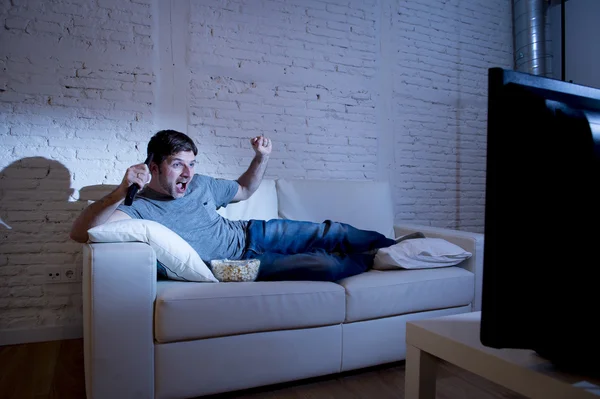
x=540 y=287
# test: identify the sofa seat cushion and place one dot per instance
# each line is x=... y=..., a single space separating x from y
x=186 y=311
x=377 y=294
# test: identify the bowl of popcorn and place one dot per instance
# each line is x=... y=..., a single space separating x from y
x=226 y=270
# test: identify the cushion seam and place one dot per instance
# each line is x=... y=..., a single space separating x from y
x=249 y=296
x=408 y=282
x=252 y=332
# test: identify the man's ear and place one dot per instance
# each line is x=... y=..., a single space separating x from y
x=154 y=168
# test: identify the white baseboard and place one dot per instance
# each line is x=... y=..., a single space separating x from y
x=41 y=334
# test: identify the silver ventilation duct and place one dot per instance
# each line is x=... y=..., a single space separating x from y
x=529 y=26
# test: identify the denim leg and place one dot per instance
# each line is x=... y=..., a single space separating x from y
x=293 y=237
x=317 y=265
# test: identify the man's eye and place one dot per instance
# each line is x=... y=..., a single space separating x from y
x=176 y=165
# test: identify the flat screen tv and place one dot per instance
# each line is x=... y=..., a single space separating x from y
x=540 y=287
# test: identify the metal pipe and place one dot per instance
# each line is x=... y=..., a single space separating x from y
x=529 y=27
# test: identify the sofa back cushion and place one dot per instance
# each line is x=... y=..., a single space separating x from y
x=262 y=205
x=363 y=204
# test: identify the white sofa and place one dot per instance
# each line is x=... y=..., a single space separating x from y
x=171 y=339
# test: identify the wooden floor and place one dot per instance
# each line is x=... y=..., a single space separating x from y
x=55 y=370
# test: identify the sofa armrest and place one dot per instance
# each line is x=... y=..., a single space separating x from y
x=472 y=242
x=119 y=290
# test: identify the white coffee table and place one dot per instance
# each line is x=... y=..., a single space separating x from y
x=455 y=339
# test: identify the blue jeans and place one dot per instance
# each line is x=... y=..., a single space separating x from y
x=297 y=250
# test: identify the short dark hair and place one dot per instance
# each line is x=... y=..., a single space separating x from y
x=169 y=142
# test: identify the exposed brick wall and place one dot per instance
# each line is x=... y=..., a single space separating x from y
x=303 y=73
x=365 y=89
x=441 y=53
x=312 y=74
x=75 y=108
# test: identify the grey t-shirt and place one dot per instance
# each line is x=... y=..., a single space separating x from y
x=194 y=216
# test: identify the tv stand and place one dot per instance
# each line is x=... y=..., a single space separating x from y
x=455 y=339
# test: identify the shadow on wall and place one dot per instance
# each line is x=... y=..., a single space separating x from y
x=95 y=192
x=36 y=220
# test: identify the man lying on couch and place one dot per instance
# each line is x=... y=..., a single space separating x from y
x=187 y=203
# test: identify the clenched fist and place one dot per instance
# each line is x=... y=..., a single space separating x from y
x=137 y=174
x=261 y=145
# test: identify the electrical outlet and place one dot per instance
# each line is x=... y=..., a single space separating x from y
x=54 y=275
x=69 y=274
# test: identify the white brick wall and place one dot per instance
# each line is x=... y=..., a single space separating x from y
x=301 y=72
x=312 y=76
x=75 y=108
x=364 y=89
x=441 y=53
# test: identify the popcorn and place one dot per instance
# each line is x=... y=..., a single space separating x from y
x=226 y=270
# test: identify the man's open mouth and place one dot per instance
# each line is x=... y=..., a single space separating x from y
x=181 y=186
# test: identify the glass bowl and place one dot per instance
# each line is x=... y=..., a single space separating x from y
x=226 y=270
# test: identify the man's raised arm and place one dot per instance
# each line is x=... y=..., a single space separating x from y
x=250 y=180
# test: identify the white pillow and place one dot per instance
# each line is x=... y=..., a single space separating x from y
x=419 y=253
x=178 y=257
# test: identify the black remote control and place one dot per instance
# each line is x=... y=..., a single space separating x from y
x=133 y=189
